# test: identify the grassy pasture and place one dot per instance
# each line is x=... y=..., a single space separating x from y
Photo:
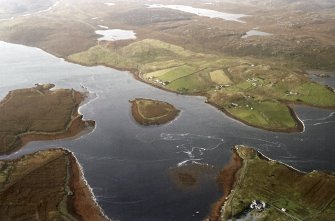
x=220 y=77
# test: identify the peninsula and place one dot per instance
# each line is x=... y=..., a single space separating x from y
x=39 y=113
x=51 y=187
x=266 y=189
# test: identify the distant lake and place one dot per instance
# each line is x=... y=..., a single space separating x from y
x=115 y=34
x=129 y=166
x=202 y=12
x=255 y=33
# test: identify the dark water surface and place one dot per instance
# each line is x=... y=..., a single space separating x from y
x=128 y=165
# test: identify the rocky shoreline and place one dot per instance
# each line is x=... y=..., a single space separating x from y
x=52 y=186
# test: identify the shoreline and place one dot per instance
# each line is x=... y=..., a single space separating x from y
x=75 y=127
x=226 y=180
x=83 y=202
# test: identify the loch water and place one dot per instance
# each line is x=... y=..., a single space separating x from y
x=128 y=166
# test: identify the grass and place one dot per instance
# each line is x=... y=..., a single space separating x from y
x=157 y=74
x=220 y=77
x=313 y=94
x=160 y=66
x=189 y=84
x=102 y=55
x=266 y=114
x=140 y=54
x=177 y=69
x=304 y=196
x=177 y=73
x=152 y=48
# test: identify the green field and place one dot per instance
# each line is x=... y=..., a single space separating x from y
x=313 y=94
x=259 y=89
x=190 y=84
x=157 y=74
x=268 y=114
x=177 y=73
x=220 y=77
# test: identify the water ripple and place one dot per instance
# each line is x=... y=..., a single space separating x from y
x=193 y=145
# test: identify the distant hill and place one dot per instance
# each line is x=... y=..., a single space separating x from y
x=293 y=4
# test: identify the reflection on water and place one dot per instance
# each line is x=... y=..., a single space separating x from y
x=322 y=120
x=128 y=165
x=201 y=12
x=193 y=146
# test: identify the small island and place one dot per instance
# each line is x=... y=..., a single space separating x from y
x=152 y=112
x=39 y=113
x=264 y=189
x=46 y=185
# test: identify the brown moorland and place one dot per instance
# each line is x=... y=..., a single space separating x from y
x=301 y=35
x=39 y=114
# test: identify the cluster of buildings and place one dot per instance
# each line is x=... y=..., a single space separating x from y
x=258 y=205
x=158 y=81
